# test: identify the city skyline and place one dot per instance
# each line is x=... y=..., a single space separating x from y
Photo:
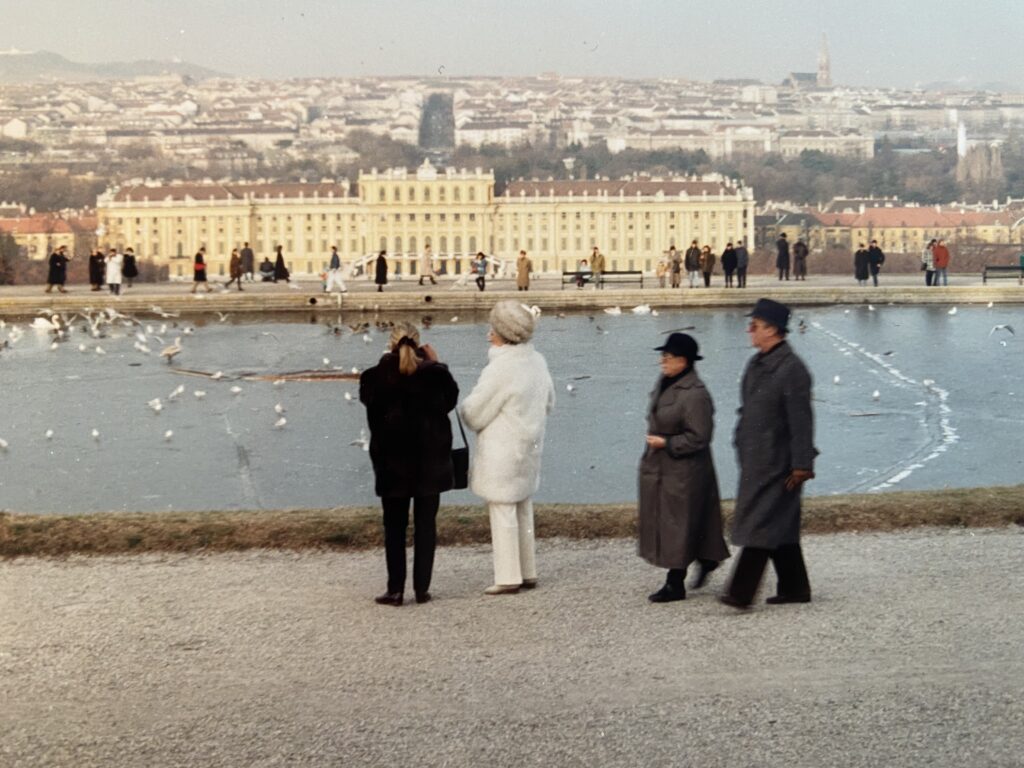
x=871 y=44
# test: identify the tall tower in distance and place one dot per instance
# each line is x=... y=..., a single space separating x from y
x=824 y=68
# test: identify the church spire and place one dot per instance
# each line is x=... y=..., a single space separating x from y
x=824 y=68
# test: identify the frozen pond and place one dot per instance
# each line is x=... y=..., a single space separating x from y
x=947 y=413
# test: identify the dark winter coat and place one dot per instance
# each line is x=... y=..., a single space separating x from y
x=680 y=515
x=742 y=257
x=381 y=275
x=97 y=268
x=729 y=260
x=58 y=272
x=129 y=269
x=199 y=269
x=280 y=270
x=248 y=261
x=774 y=435
x=875 y=259
x=410 y=435
x=782 y=259
x=692 y=260
x=860 y=264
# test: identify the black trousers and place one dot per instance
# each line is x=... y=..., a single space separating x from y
x=788 y=561
x=707 y=279
x=784 y=272
x=424 y=536
x=481 y=281
x=741 y=277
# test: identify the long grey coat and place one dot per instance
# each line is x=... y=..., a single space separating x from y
x=680 y=514
x=774 y=435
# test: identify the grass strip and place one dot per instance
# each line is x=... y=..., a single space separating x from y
x=360 y=528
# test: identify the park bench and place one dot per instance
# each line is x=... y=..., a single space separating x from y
x=572 y=278
x=620 y=276
x=1000 y=270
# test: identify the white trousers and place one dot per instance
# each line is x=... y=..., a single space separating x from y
x=512 y=538
x=334 y=276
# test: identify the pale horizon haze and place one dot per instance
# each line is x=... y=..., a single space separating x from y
x=871 y=43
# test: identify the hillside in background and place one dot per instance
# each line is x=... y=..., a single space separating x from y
x=44 y=65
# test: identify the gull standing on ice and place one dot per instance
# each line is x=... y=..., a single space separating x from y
x=170 y=351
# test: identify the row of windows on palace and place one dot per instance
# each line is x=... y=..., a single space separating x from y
x=442 y=197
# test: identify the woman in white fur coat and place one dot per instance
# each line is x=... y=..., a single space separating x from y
x=508 y=409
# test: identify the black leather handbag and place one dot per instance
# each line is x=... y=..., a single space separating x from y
x=460 y=460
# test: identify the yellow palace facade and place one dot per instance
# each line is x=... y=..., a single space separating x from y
x=455 y=212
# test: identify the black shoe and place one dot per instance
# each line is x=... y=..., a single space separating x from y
x=389 y=598
x=667 y=595
x=529 y=584
x=423 y=597
x=704 y=569
x=784 y=599
x=729 y=600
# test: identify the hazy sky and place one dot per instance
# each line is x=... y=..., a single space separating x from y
x=872 y=42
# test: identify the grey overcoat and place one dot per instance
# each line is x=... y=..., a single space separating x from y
x=680 y=513
x=774 y=435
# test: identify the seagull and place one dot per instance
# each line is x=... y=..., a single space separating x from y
x=952 y=311
x=876 y=395
x=168 y=435
x=600 y=329
x=642 y=309
x=54 y=346
x=355 y=369
x=1002 y=327
x=279 y=424
x=455 y=319
x=141 y=337
x=156 y=405
x=3 y=444
x=348 y=396
x=159 y=311
x=188 y=331
x=363 y=441
x=279 y=408
x=871 y=307
x=366 y=337
x=835 y=379
x=170 y=351
x=612 y=311
x=279 y=382
x=199 y=394
x=570 y=389
x=534 y=310
x=82 y=347
x=223 y=316
x=327 y=361
x=177 y=391
x=218 y=375
x=990 y=304
x=49 y=434
x=236 y=390
x=95 y=434
x=100 y=350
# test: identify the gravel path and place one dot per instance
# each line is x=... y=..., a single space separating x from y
x=909 y=656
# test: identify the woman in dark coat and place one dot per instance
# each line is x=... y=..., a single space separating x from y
x=381 y=274
x=58 y=272
x=408 y=396
x=280 y=270
x=199 y=270
x=860 y=265
x=97 y=269
x=729 y=264
x=680 y=514
x=129 y=270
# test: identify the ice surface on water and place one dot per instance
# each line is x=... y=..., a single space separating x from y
x=944 y=415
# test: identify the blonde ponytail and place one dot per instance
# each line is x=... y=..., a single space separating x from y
x=408 y=361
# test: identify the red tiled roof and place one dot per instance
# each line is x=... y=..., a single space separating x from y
x=39 y=224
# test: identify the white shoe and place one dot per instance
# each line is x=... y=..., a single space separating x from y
x=502 y=589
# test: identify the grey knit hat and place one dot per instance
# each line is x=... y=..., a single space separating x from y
x=512 y=321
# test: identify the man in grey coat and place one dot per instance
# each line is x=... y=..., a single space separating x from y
x=775 y=447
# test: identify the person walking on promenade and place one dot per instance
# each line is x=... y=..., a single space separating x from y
x=97 y=269
x=782 y=256
x=742 y=262
x=57 y=273
x=508 y=410
x=860 y=265
x=875 y=261
x=408 y=396
x=928 y=262
x=707 y=264
x=729 y=263
x=280 y=268
x=774 y=442
x=199 y=270
x=234 y=270
x=427 y=266
x=113 y=275
x=380 y=273
x=130 y=268
x=941 y=263
x=800 y=260
x=480 y=269
x=597 y=265
x=334 y=272
x=523 y=269
x=248 y=262
x=680 y=512
x=692 y=263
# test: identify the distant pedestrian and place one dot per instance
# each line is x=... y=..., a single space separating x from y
x=782 y=256
x=707 y=264
x=675 y=267
x=408 y=396
x=280 y=268
x=97 y=269
x=267 y=270
x=248 y=262
x=130 y=269
x=742 y=262
x=334 y=274
x=199 y=270
x=692 y=264
x=380 y=274
x=941 y=263
x=662 y=267
x=480 y=270
x=508 y=410
x=860 y=265
x=235 y=269
x=523 y=269
x=729 y=263
x=800 y=260
x=928 y=262
x=113 y=275
x=875 y=261
x=679 y=511
x=597 y=265
x=774 y=442
x=58 y=270
x=427 y=266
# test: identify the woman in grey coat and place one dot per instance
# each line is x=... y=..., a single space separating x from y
x=680 y=515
